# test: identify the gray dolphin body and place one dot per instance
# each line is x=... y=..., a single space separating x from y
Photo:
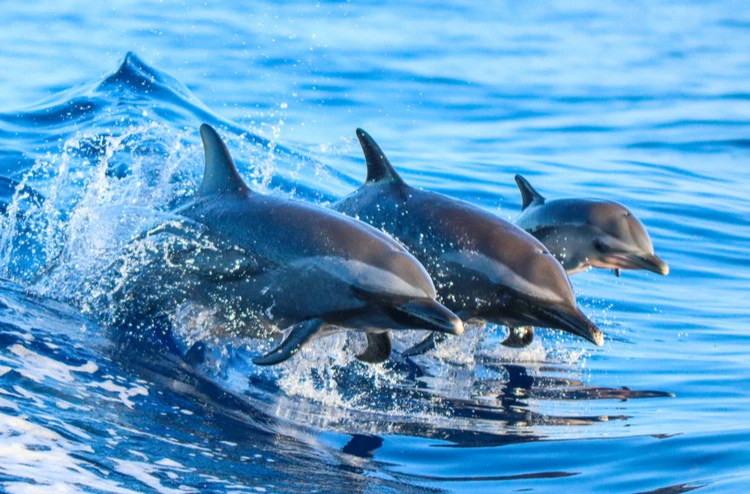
x=269 y=262
x=483 y=266
x=586 y=232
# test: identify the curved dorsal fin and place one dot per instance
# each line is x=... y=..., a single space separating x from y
x=379 y=169
x=220 y=174
x=528 y=193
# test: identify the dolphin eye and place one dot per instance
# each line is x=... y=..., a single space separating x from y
x=600 y=246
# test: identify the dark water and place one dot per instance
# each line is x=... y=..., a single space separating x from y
x=645 y=103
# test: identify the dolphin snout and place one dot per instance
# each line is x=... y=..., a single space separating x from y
x=577 y=323
x=653 y=263
x=637 y=260
x=428 y=314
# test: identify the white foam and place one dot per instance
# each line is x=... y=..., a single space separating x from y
x=39 y=367
x=123 y=392
x=45 y=459
x=143 y=473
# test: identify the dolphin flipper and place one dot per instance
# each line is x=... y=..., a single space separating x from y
x=300 y=334
x=519 y=337
x=425 y=345
x=378 y=349
x=529 y=195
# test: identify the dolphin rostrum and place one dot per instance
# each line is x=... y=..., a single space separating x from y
x=483 y=267
x=268 y=262
x=586 y=232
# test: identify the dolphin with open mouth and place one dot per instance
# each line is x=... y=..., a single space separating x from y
x=582 y=233
x=483 y=267
x=269 y=262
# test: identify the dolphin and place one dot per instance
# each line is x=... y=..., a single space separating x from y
x=484 y=267
x=586 y=232
x=269 y=262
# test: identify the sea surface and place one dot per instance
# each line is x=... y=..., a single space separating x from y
x=645 y=103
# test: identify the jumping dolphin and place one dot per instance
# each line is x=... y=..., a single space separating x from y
x=268 y=262
x=587 y=232
x=483 y=266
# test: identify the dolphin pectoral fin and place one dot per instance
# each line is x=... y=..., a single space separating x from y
x=519 y=337
x=425 y=345
x=378 y=349
x=529 y=195
x=299 y=335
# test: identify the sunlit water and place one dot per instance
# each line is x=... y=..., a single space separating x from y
x=644 y=103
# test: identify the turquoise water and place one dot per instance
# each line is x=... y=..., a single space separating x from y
x=644 y=103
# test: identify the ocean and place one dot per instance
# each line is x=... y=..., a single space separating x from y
x=644 y=103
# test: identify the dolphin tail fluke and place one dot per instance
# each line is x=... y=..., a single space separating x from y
x=529 y=195
x=300 y=334
x=519 y=337
x=425 y=345
x=379 y=169
x=378 y=349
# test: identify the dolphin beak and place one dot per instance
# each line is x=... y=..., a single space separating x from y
x=574 y=322
x=649 y=262
x=428 y=314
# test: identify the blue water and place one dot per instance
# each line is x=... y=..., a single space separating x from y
x=645 y=103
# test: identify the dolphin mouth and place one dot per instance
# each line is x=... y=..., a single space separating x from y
x=427 y=314
x=574 y=322
x=635 y=260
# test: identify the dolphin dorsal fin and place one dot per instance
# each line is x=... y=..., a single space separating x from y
x=220 y=174
x=379 y=169
x=528 y=193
